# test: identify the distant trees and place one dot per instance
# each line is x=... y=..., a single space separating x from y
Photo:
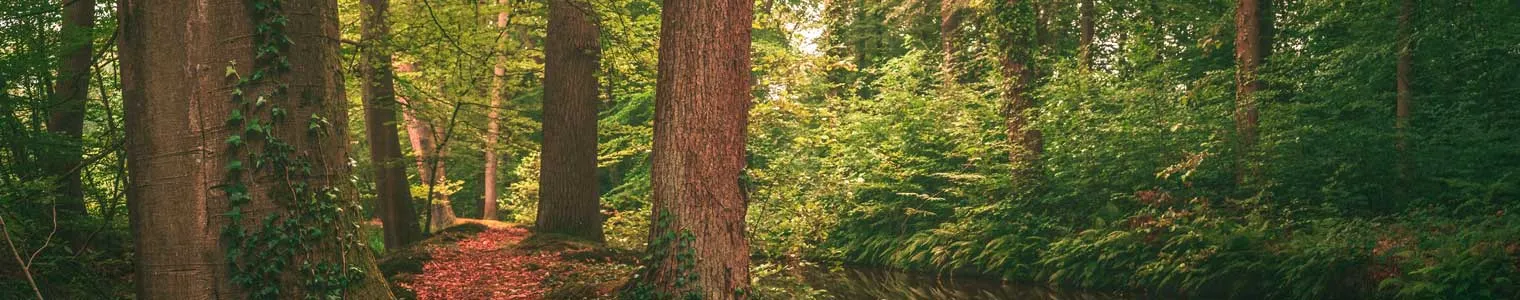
x=567 y=182
x=237 y=156
x=701 y=114
x=392 y=192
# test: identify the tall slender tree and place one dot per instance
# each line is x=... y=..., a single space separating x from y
x=226 y=126
x=1253 y=43
x=702 y=101
x=567 y=201
x=1085 y=42
x=66 y=118
x=431 y=159
x=393 y=193
x=489 y=203
x=1405 y=89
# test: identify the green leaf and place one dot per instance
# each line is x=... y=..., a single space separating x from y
x=235 y=141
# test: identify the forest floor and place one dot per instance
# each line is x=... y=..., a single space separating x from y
x=476 y=259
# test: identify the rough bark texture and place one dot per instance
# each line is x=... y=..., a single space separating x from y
x=66 y=118
x=174 y=54
x=567 y=201
x=488 y=201
x=1253 y=42
x=392 y=192
x=701 y=112
x=1085 y=41
x=430 y=160
x=1405 y=89
x=1020 y=43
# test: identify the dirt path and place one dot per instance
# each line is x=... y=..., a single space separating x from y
x=488 y=262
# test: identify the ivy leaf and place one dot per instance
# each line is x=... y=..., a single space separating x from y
x=231 y=69
x=235 y=166
x=234 y=141
x=236 y=213
x=235 y=117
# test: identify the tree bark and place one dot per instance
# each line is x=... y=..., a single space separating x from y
x=430 y=160
x=392 y=192
x=174 y=54
x=701 y=114
x=1405 y=91
x=66 y=118
x=489 y=203
x=1253 y=43
x=1020 y=44
x=949 y=26
x=567 y=201
x=1085 y=42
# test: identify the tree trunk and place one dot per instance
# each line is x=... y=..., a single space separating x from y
x=1253 y=42
x=701 y=114
x=66 y=118
x=1085 y=42
x=175 y=57
x=567 y=201
x=430 y=161
x=1020 y=44
x=1405 y=91
x=488 y=201
x=393 y=193
x=949 y=25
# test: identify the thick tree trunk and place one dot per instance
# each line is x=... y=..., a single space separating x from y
x=66 y=118
x=567 y=201
x=393 y=193
x=1253 y=42
x=1085 y=42
x=701 y=111
x=179 y=101
x=430 y=161
x=1405 y=90
x=1020 y=44
x=488 y=202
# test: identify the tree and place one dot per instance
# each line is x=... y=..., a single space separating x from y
x=1085 y=41
x=237 y=157
x=701 y=112
x=66 y=118
x=392 y=192
x=567 y=201
x=1253 y=43
x=949 y=25
x=488 y=203
x=1405 y=74
x=432 y=168
x=1019 y=46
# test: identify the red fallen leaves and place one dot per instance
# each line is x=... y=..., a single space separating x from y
x=483 y=267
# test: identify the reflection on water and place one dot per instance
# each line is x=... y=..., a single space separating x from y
x=866 y=283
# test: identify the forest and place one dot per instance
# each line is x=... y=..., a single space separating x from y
x=759 y=149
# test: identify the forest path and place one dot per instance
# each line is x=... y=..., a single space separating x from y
x=481 y=259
